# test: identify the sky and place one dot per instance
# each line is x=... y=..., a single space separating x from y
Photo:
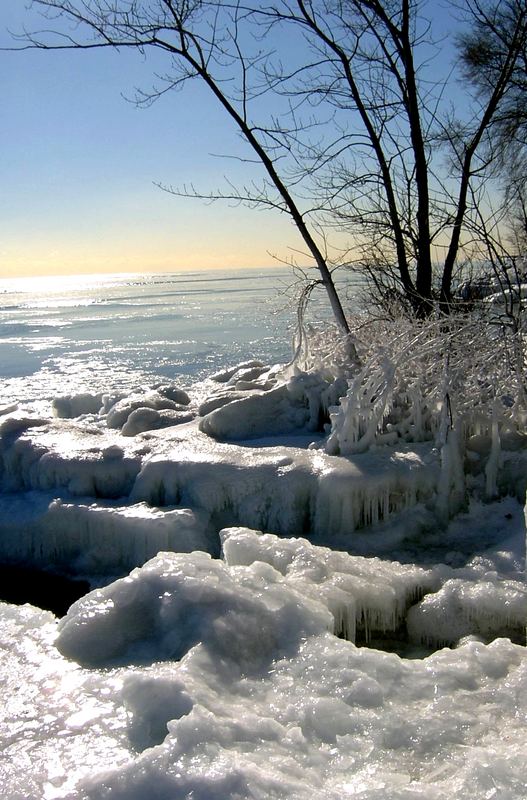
x=79 y=164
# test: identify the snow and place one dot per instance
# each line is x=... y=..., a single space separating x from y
x=256 y=415
x=247 y=370
x=243 y=587
x=298 y=404
x=70 y=406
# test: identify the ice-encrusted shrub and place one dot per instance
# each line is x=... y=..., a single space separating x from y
x=420 y=378
x=447 y=380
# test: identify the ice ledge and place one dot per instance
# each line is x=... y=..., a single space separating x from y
x=284 y=489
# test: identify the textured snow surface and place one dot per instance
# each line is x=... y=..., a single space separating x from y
x=203 y=679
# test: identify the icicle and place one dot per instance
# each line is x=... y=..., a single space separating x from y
x=491 y=468
x=451 y=486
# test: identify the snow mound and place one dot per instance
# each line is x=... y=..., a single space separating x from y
x=487 y=609
x=302 y=402
x=273 y=412
x=75 y=405
x=240 y=371
x=160 y=611
x=219 y=399
x=148 y=419
x=119 y=413
x=174 y=393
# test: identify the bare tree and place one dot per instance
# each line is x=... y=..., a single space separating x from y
x=407 y=180
x=484 y=50
x=204 y=41
x=359 y=140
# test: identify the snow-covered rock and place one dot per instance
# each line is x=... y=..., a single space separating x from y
x=120 y=412
x=273 y=412
x=253 y=367
x=149 y=419
x=70 y=406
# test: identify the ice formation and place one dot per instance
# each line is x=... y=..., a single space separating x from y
x=70 y=406
x=487 y=608
x=361 y=593
x=208 y=679
x=285 y=489
x=160 y=611
x=302 y=402
x=120 y=412
x=215 y=678
x=96 y=538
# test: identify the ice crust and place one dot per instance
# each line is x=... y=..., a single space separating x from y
x=95 y=539
x=283 y=489
x=209 y=679
x=487 y=608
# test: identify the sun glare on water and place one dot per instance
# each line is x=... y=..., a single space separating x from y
x=55 y=284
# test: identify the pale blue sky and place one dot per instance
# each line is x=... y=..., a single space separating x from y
x=78 y=165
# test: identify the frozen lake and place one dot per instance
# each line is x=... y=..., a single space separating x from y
x=62 y=334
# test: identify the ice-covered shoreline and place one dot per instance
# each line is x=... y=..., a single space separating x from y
x=225 y=677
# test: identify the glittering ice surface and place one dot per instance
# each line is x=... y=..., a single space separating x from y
x=61 y=335
x=198 y=679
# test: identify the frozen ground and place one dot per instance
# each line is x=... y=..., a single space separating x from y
x=215 y=659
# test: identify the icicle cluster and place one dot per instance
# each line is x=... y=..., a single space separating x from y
x=419 y=380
